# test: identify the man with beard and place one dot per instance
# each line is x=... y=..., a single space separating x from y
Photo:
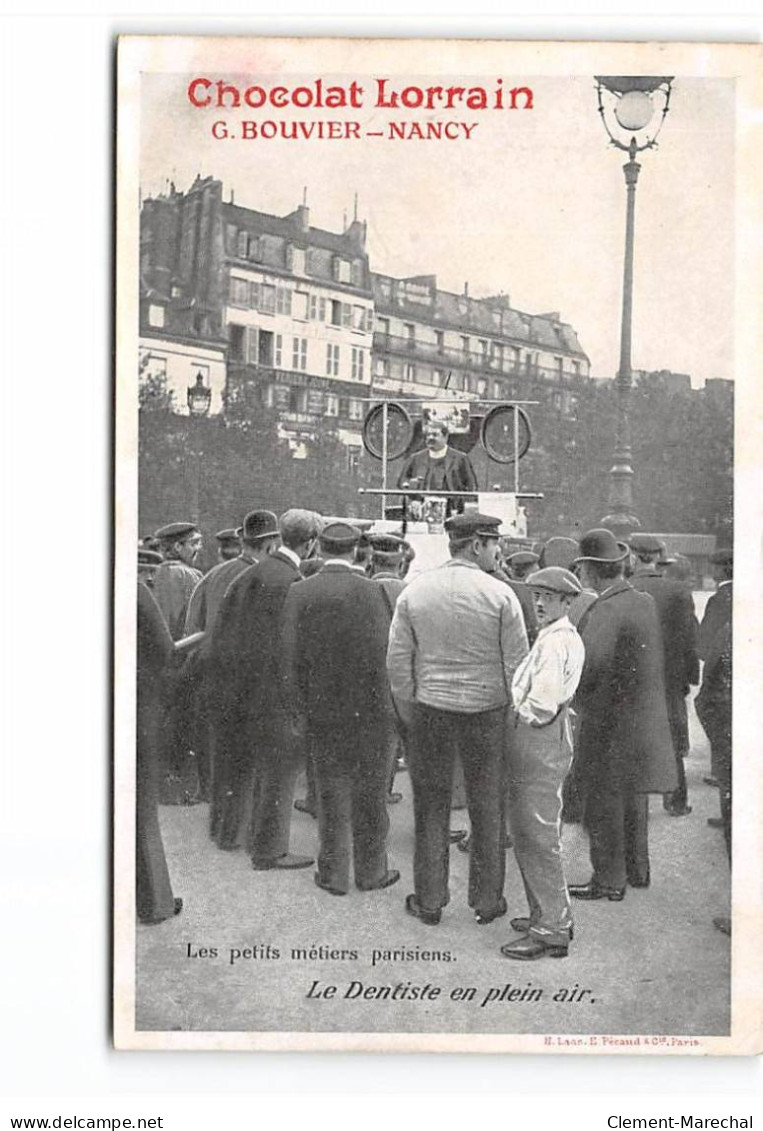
x=624 y=749
x=438 y=467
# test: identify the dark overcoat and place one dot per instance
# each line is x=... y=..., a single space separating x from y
x=335 y=633
x=459 y=473
x=624 y=736
x=718 y=614
x=679 y=627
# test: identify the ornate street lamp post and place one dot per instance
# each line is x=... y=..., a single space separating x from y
x=627 y=106
x=199 y=398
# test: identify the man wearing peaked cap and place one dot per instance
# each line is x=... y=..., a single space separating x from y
x=678 y=624
x=180 y=544
x=539 y=759
x=456 y=638
x=148 y=563
x=521 y=563
x=624 y=749
x=228 y=544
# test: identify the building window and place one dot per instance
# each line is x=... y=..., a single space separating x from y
x=498 y=392
x=299 y=354
x=382 y=326
x=156 y=315
x=336 y=312
x=409 y=371
x=255 y=248
x=341 y=270
x=297 y=400
x=353 y=458
x=483 y=351
x=381 y=367
x=438 y=377
x=299 y=305
x=576 y=368
x=355 y=272
x=358 y=317
x=496 y=354
x=355 y=409
x=267 y=303
x=464 y=345
x=439 y=338
x=481 y=387
x=242 y=248
x=410 y=335
x=358 y=363
x=237 y=339
x=279 y=351
x=332 y=405
x=559 y=362
x=283 y=300
x=298 y=260
x=252 y=355
x=332 y=360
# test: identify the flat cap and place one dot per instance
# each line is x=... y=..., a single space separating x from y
x=523 y=558
x=556 y=579
x=259 y=524
x=231 y=535
x=559 y=551
x=149 y=558
x=386 y=543
x=175 y=530
x=600 y=545
x=646 y=544
x=339 y=536
x=472 y=524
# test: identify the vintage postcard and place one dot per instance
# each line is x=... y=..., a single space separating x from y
x=437 y=444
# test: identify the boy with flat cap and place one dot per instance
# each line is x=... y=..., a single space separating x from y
x=456 y=639
x=539 y=759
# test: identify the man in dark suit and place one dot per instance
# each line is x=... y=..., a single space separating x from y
x=678 y=623
x=624 y=747
x=272 y=755
x=438 y=467
x=334 y=666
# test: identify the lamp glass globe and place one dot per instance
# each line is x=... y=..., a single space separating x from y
x=634 y=110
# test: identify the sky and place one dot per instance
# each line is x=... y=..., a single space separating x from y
x=533 y=204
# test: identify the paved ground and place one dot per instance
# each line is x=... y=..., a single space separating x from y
x=653 y=964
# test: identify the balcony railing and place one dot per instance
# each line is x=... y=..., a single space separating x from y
x=449 y=356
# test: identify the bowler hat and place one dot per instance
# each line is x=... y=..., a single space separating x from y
x=472 y=525
x=556 y=579
x=559 y=551
x=601 y=546
x=259 y=524
x=174 y=531
x=339 y=537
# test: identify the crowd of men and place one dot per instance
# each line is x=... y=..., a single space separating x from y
x=550 y=683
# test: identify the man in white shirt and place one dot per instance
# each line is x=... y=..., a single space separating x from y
x=456 y=639
x=539 y=758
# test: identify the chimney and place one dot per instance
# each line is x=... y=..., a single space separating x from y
x=302 y=217
x=466 y=290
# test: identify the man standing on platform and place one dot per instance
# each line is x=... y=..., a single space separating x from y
x=624 y=750
x=678 y=623
x=438 y=467
x=456 y=639
x=334 y=643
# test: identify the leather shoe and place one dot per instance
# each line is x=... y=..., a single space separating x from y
x=640 y=881
x=593 y=890
x=529 y=947
x=484 y=917
x=289 y=861
x=431 y=918
x=522 y=925
x=458 y=836
x=388 y=879
x=326 y=887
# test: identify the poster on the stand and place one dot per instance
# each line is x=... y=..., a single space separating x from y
x=437 y=448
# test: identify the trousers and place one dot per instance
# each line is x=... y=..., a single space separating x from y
x=617 y=821
x=539 y=761
x=437 y=739
x=278 y=759
x=351 y=781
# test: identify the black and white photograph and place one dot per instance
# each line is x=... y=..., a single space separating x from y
x=428 y=355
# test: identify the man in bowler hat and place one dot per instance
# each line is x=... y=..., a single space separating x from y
x=624 y=747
